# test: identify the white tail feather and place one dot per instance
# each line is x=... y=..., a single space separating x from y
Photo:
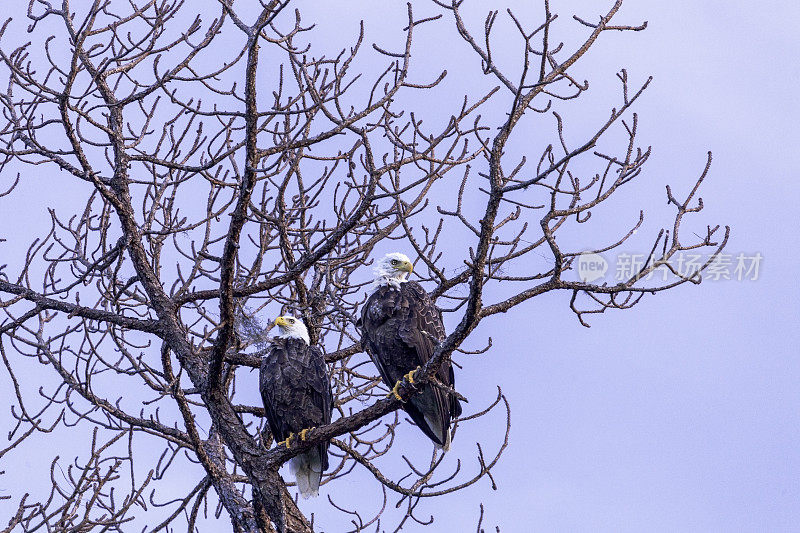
x=448 y=439
x=307 y=469
x=436 y=426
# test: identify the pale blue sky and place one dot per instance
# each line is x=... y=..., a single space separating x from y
x=682 y=414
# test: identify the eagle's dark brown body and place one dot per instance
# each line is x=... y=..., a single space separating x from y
x=297 y=395
x=400 y=330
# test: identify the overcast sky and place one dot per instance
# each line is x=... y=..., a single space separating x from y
x=682 y=414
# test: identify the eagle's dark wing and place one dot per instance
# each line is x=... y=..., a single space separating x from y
x=320 y=396
x=424 y=331
x=297 y=395
x=423 y=328
x=296 y=389
x=379 y=327
x=400 y=331
x=273 y=389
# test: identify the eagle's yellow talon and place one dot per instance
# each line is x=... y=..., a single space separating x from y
x=304 y=432
x=410 y=375
x=394 y=392
x=288 y=441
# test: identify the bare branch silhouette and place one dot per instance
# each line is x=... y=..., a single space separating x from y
x=209 y=187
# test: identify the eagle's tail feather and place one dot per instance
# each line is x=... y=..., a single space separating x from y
x=428 y=412
x=447 y=440
x=307 y=468
x=443 y=437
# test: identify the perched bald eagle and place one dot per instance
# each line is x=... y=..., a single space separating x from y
x=297 y=396
x=400 y=330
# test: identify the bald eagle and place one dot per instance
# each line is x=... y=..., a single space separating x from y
x=400 y=330
x=297 y=396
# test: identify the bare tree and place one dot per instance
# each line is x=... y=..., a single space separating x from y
x=220 y=173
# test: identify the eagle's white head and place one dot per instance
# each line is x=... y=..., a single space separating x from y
x=393 y=269
x=292 y=328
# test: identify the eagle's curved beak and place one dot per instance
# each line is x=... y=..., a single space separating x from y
x=406 y=266
x=281 y=322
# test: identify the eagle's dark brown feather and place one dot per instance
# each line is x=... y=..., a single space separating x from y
x=296 y=389
x=400 y=330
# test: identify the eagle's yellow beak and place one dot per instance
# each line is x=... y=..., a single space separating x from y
x=281 y=322
x=406 y=266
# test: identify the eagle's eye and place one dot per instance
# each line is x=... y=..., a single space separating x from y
x=395 y=261
x=291 y=321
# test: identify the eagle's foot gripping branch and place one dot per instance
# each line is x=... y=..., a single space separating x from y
x=303 y=433
x=408 y=378
x=395 y=391
x=288 y=441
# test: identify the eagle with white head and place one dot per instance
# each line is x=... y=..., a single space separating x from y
x=401 y=328
x=296 y=390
